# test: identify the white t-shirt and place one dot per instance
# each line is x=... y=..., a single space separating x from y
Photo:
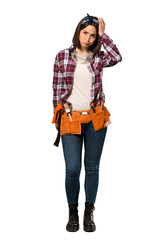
x=80 y=93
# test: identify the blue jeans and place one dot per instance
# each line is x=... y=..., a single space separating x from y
x=72 y=150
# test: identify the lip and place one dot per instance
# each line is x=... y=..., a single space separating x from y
x=86 y=43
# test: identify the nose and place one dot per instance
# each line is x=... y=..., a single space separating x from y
x=88 y=38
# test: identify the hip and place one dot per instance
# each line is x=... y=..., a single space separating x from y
x=72 y=124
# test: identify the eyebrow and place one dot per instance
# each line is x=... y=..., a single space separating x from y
x=92 y=33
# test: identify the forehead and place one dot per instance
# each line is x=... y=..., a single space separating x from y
x=91 y=29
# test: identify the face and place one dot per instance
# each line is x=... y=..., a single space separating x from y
x=87 y=36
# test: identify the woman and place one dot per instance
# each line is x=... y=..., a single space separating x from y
x=77 y=87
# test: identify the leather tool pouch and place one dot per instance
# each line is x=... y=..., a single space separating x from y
x=57 y=119
x=68 y=126
x=100 y=117
x=98 y=120
x=106 y=114
x=57 y=111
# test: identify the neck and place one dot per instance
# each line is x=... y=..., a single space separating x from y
x=82 y=51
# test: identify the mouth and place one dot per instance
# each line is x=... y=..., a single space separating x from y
x=86 y=43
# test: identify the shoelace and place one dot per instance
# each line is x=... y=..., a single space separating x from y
x=89 y=213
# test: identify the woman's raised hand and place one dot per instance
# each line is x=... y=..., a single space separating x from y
x=101 y=26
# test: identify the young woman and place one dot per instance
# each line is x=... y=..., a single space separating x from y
x=77 y=86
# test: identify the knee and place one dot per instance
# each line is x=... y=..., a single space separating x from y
x=92 y=170
x=73 y=173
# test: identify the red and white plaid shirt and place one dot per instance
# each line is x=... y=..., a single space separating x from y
x=64 y=68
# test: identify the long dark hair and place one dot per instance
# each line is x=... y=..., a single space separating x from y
x=96 y=46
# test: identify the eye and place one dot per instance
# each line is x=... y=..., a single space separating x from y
x=85 y=32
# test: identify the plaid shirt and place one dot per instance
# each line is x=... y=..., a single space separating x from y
x=64 y=68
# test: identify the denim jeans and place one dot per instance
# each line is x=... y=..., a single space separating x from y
x=72 y=150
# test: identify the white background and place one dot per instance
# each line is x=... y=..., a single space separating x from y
x=32 y=195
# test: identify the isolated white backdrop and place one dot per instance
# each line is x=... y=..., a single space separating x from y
x=33 y=202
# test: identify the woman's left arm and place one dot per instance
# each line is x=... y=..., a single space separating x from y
x=112 y=55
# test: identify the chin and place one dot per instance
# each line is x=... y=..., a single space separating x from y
x=86 y=47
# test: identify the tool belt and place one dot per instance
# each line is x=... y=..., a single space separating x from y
x=99 y=115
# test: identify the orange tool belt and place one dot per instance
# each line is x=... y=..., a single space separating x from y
x=99 y=115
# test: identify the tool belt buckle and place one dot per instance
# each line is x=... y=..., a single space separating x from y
x=84 y=113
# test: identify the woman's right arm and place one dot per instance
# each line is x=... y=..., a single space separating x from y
x=56 y=82
x=57 y=79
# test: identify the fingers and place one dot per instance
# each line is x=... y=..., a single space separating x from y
x=57 y=125
x=108 y=123
x=101 y=21
x=66 y=106
x=101 y=26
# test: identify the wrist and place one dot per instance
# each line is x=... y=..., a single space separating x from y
x=101 y=33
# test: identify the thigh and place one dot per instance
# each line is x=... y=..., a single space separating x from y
x=72 y=150
x=93 y=144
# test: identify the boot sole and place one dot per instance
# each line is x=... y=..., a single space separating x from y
x=72 y=229
x=89 y=228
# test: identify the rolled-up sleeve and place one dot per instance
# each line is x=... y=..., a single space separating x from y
x=111 y=55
